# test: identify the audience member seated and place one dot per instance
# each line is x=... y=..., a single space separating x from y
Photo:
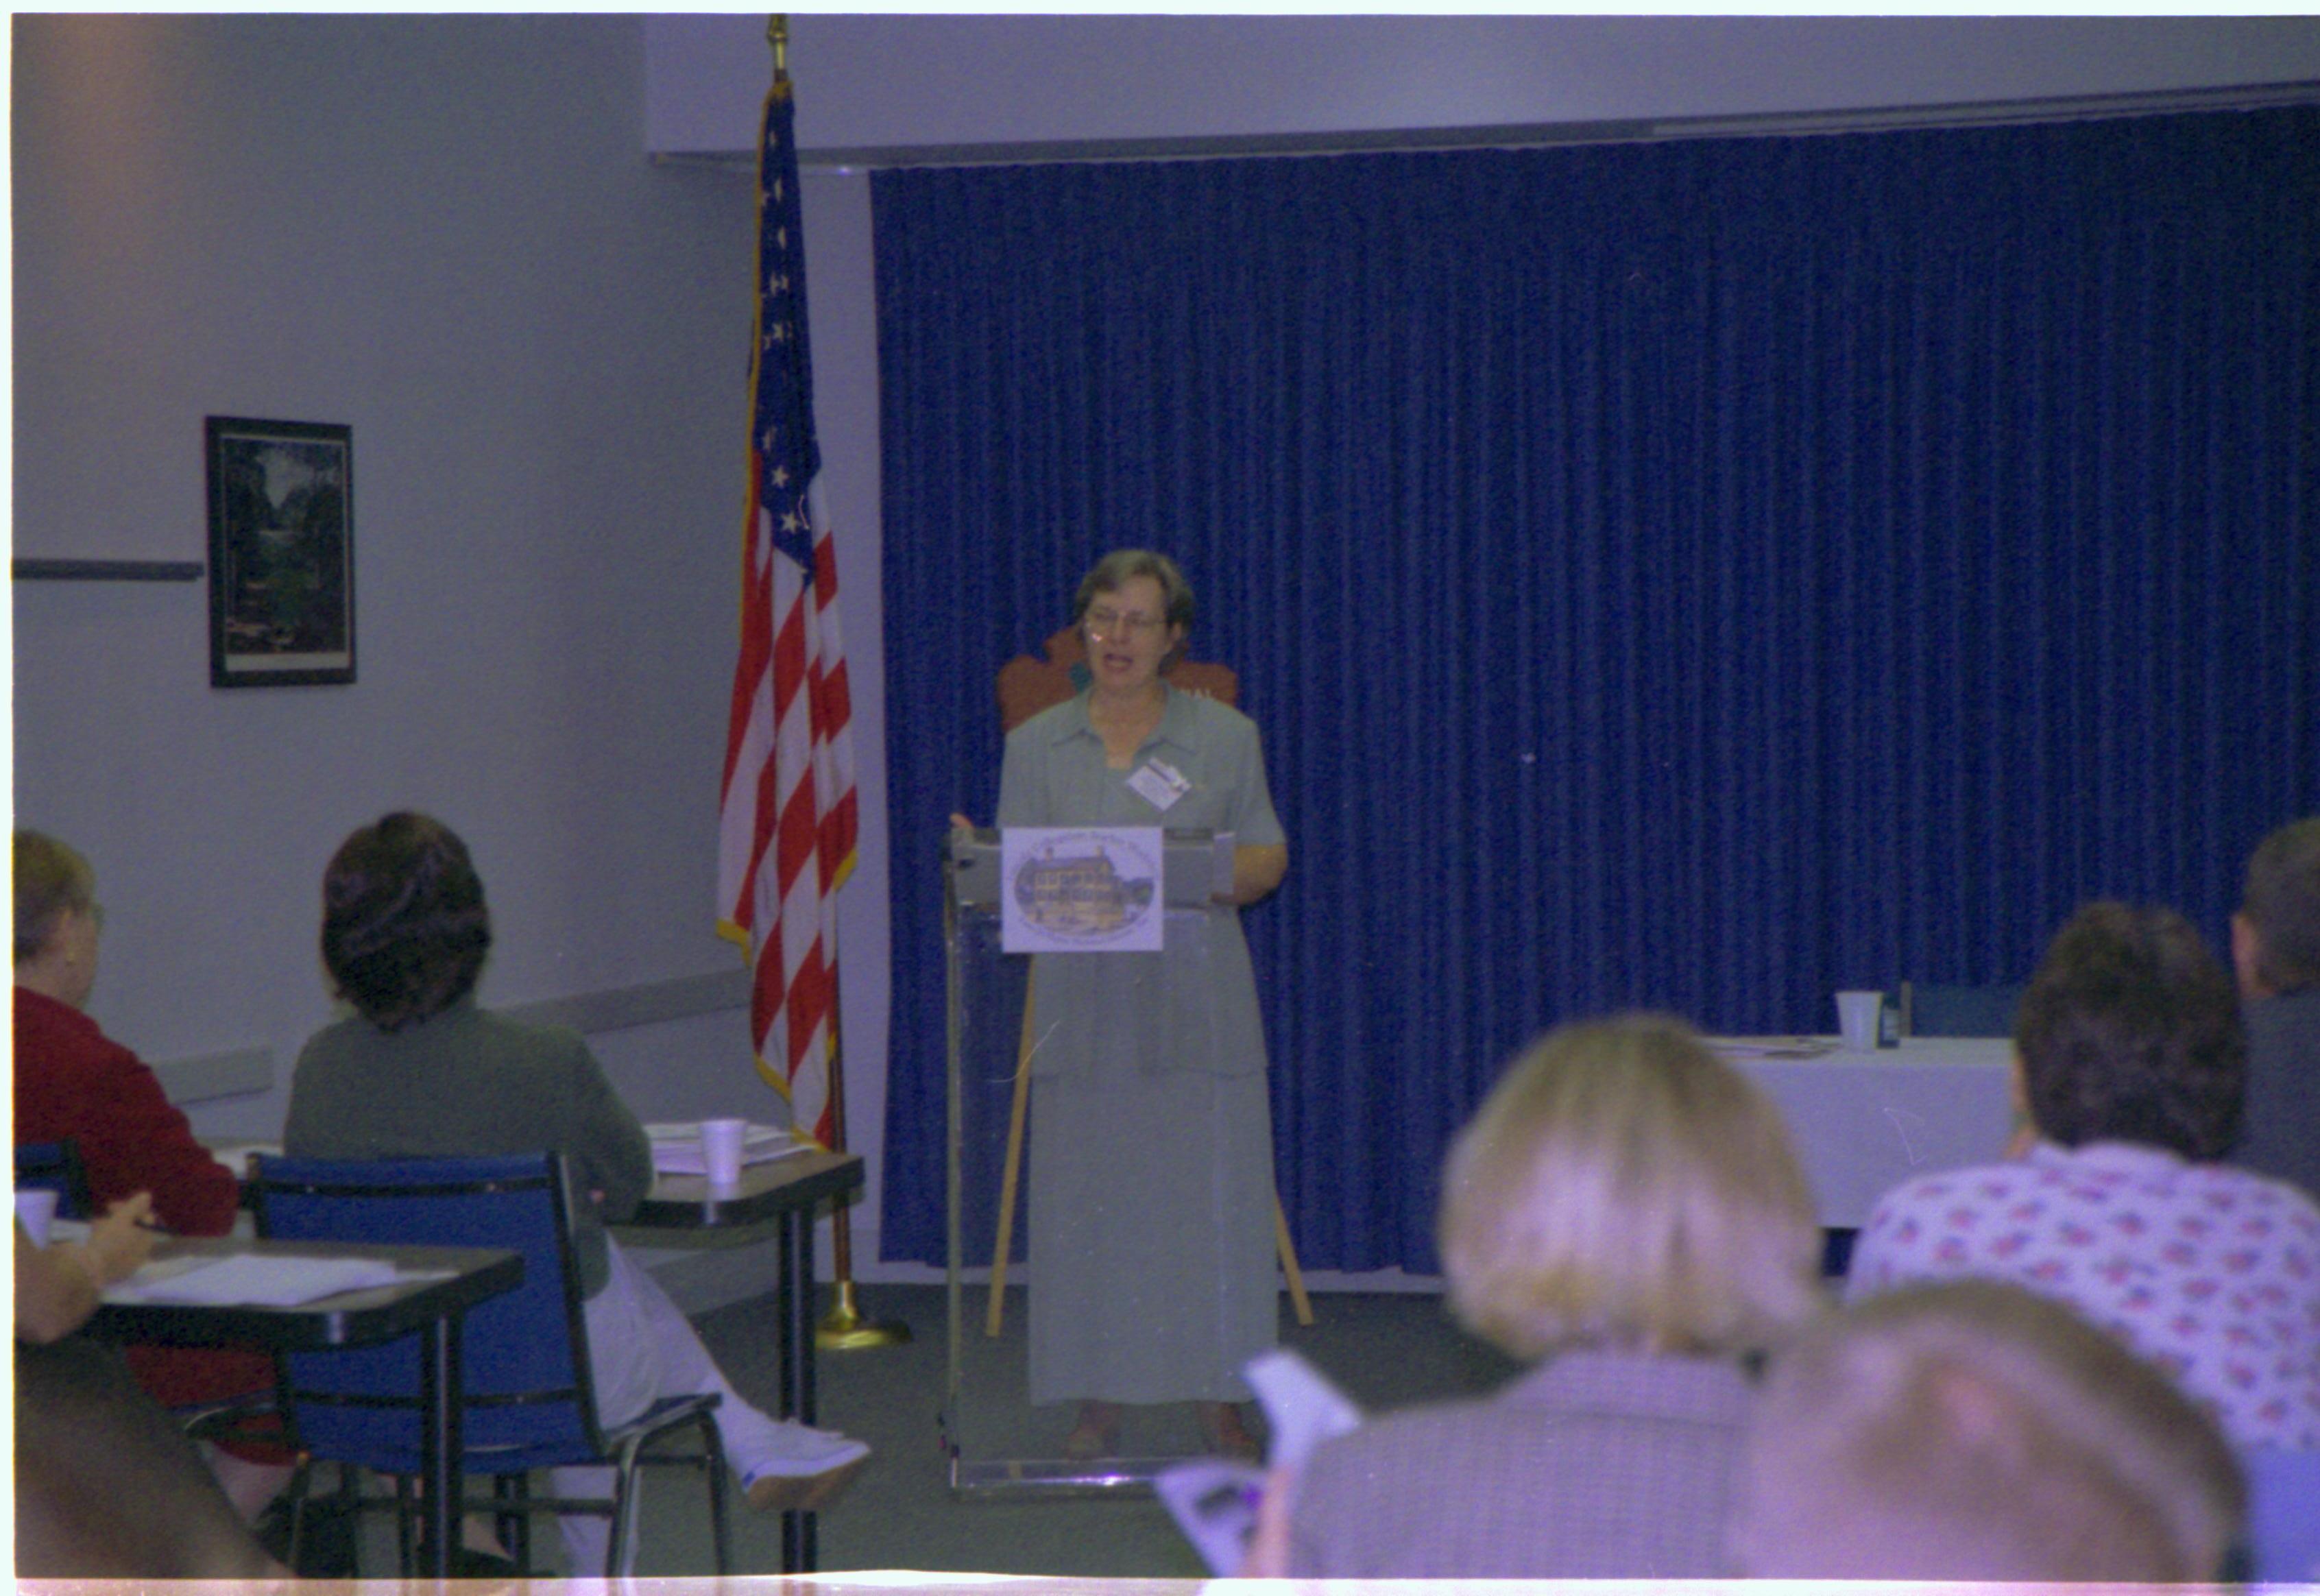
x=2276 y=945
x=2132 y=1061
x=73 y=1081
x=1626 y=1211
x=107 y=1486
x=422 y=1072
x=1973 y=1430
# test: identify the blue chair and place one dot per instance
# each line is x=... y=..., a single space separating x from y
x=527 y=1402
x=55 y=1167
x=1937 y=1010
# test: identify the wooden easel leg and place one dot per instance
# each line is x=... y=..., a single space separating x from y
x=1016 y=1114
x=1298 y=1300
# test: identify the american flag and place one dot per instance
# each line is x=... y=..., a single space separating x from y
x=787 y=820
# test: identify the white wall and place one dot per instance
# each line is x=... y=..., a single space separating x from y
x=442 y=232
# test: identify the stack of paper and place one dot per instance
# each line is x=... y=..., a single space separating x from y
x=676 y=1148
x=250 y=1279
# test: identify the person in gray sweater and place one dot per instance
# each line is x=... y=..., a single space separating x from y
x=420 y=1071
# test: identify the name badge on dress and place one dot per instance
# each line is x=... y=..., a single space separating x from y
x=1161 y=784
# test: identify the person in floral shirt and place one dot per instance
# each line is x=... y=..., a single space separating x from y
x=2132 y=1064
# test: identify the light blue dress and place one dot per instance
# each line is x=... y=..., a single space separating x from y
x=1152 y=1269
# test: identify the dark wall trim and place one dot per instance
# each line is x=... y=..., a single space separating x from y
x=105 y=570
x=251 y=1069
x=651 y=1003
x=217 y=1075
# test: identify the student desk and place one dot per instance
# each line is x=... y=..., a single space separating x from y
x=784 y=1192
x=446 y=1281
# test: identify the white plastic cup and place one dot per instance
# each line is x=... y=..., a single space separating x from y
x=1856 y=1019
x=720 y=1150
x=36 y=1209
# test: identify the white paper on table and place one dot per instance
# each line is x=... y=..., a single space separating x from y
x=677 y=1147
x=250 y=1279
x=1772 y=1047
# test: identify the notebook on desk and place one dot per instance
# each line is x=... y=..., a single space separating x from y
x=253 y=1281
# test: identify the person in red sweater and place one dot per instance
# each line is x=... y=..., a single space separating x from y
x=72 y=1080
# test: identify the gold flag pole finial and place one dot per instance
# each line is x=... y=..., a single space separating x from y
x=778 y=34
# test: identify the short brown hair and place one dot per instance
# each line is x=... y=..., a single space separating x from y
x=1622 y=1186
x=2282 y=904
x=2130 y=1030
x=1974 y=1431
x=51 y=878
x=404 y=926
x=1123 y=565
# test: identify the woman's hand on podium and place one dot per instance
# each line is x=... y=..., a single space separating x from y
x=1257 y=869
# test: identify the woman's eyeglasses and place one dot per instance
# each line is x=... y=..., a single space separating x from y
x=1112 y=624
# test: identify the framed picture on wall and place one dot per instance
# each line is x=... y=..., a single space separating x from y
x=282 y=552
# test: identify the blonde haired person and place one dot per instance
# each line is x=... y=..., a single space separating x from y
x=1627 y=1212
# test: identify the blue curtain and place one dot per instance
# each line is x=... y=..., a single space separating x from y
x=1701 y=575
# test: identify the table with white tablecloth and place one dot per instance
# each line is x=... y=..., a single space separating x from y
x=1865 y=1122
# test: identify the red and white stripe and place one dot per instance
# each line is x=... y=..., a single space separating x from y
x=788 y=821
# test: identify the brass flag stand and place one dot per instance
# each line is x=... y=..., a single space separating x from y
x=843 y=1328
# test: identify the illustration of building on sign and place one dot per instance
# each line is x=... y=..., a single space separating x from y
x=1080 y=894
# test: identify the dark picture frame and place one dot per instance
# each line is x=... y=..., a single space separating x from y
x=282 y=552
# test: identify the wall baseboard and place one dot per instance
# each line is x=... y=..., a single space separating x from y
x=243 y=1070
x=621 y=1008
x=207 y=1075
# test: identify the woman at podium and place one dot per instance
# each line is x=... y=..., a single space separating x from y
x=1151 y=1160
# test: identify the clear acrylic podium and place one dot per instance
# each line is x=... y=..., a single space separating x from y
x=997 y=1441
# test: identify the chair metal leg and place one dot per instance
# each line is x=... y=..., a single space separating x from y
x=302 y=1478
x=406 y=1526
x=617 y=1554
x=350 y=1509
x=712 y=1463
x=510 y=1523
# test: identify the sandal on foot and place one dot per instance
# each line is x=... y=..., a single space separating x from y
x=1225 y=1435
x=1096 y=1435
